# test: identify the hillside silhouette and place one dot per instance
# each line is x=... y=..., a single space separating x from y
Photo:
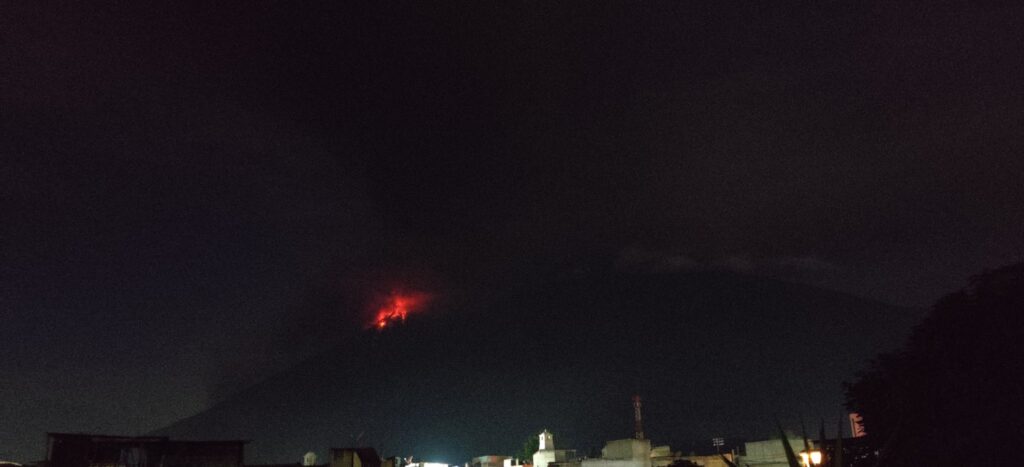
x=712 y=353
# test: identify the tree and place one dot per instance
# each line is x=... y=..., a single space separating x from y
x=952 y=394
x=683 y=463
x=530 y=446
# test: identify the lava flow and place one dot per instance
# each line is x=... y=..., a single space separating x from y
x=397 y=307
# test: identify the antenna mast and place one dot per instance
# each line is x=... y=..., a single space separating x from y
x=638 y=421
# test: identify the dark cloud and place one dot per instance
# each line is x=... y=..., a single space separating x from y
x=637 y=259
x=634 y=258
x=808 y=263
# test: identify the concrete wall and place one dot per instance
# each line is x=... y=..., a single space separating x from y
x=769 y=453
x=622 y=449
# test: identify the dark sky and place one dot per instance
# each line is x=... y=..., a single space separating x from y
x=183 y=184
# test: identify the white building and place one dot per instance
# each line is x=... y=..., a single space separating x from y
x=547 y=454
x=769 y=453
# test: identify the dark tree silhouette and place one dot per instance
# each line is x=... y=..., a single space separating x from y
x=530 y=446
x=683 y=463
x=953 y=394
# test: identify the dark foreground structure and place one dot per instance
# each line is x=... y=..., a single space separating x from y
x=86 y=450
x=956 y=383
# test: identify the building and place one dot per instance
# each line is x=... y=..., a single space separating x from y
x=355 y=457
x=630 y=452
x=308 y=460
x=491 y=461
x=547 y=454
x=769 y=453
x=662 y=456
x=856 y=451
x=88 y=450
x=711 y=460
x=636 y=451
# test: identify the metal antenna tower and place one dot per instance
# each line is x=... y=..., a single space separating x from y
x=638 y=421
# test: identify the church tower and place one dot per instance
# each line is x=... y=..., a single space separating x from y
x=547 y=441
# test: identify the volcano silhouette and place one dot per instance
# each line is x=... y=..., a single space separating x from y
x=712 y=354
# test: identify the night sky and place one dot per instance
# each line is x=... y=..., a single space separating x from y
x=185 y=189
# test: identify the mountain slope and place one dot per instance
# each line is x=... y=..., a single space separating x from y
x=713 y=354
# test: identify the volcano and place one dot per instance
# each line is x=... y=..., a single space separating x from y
x=712 y=353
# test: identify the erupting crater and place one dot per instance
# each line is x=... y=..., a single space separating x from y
x=397 y=306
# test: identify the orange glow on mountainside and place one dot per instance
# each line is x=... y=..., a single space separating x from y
x=397 y=307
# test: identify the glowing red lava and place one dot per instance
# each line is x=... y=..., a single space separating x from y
x=397 y=307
